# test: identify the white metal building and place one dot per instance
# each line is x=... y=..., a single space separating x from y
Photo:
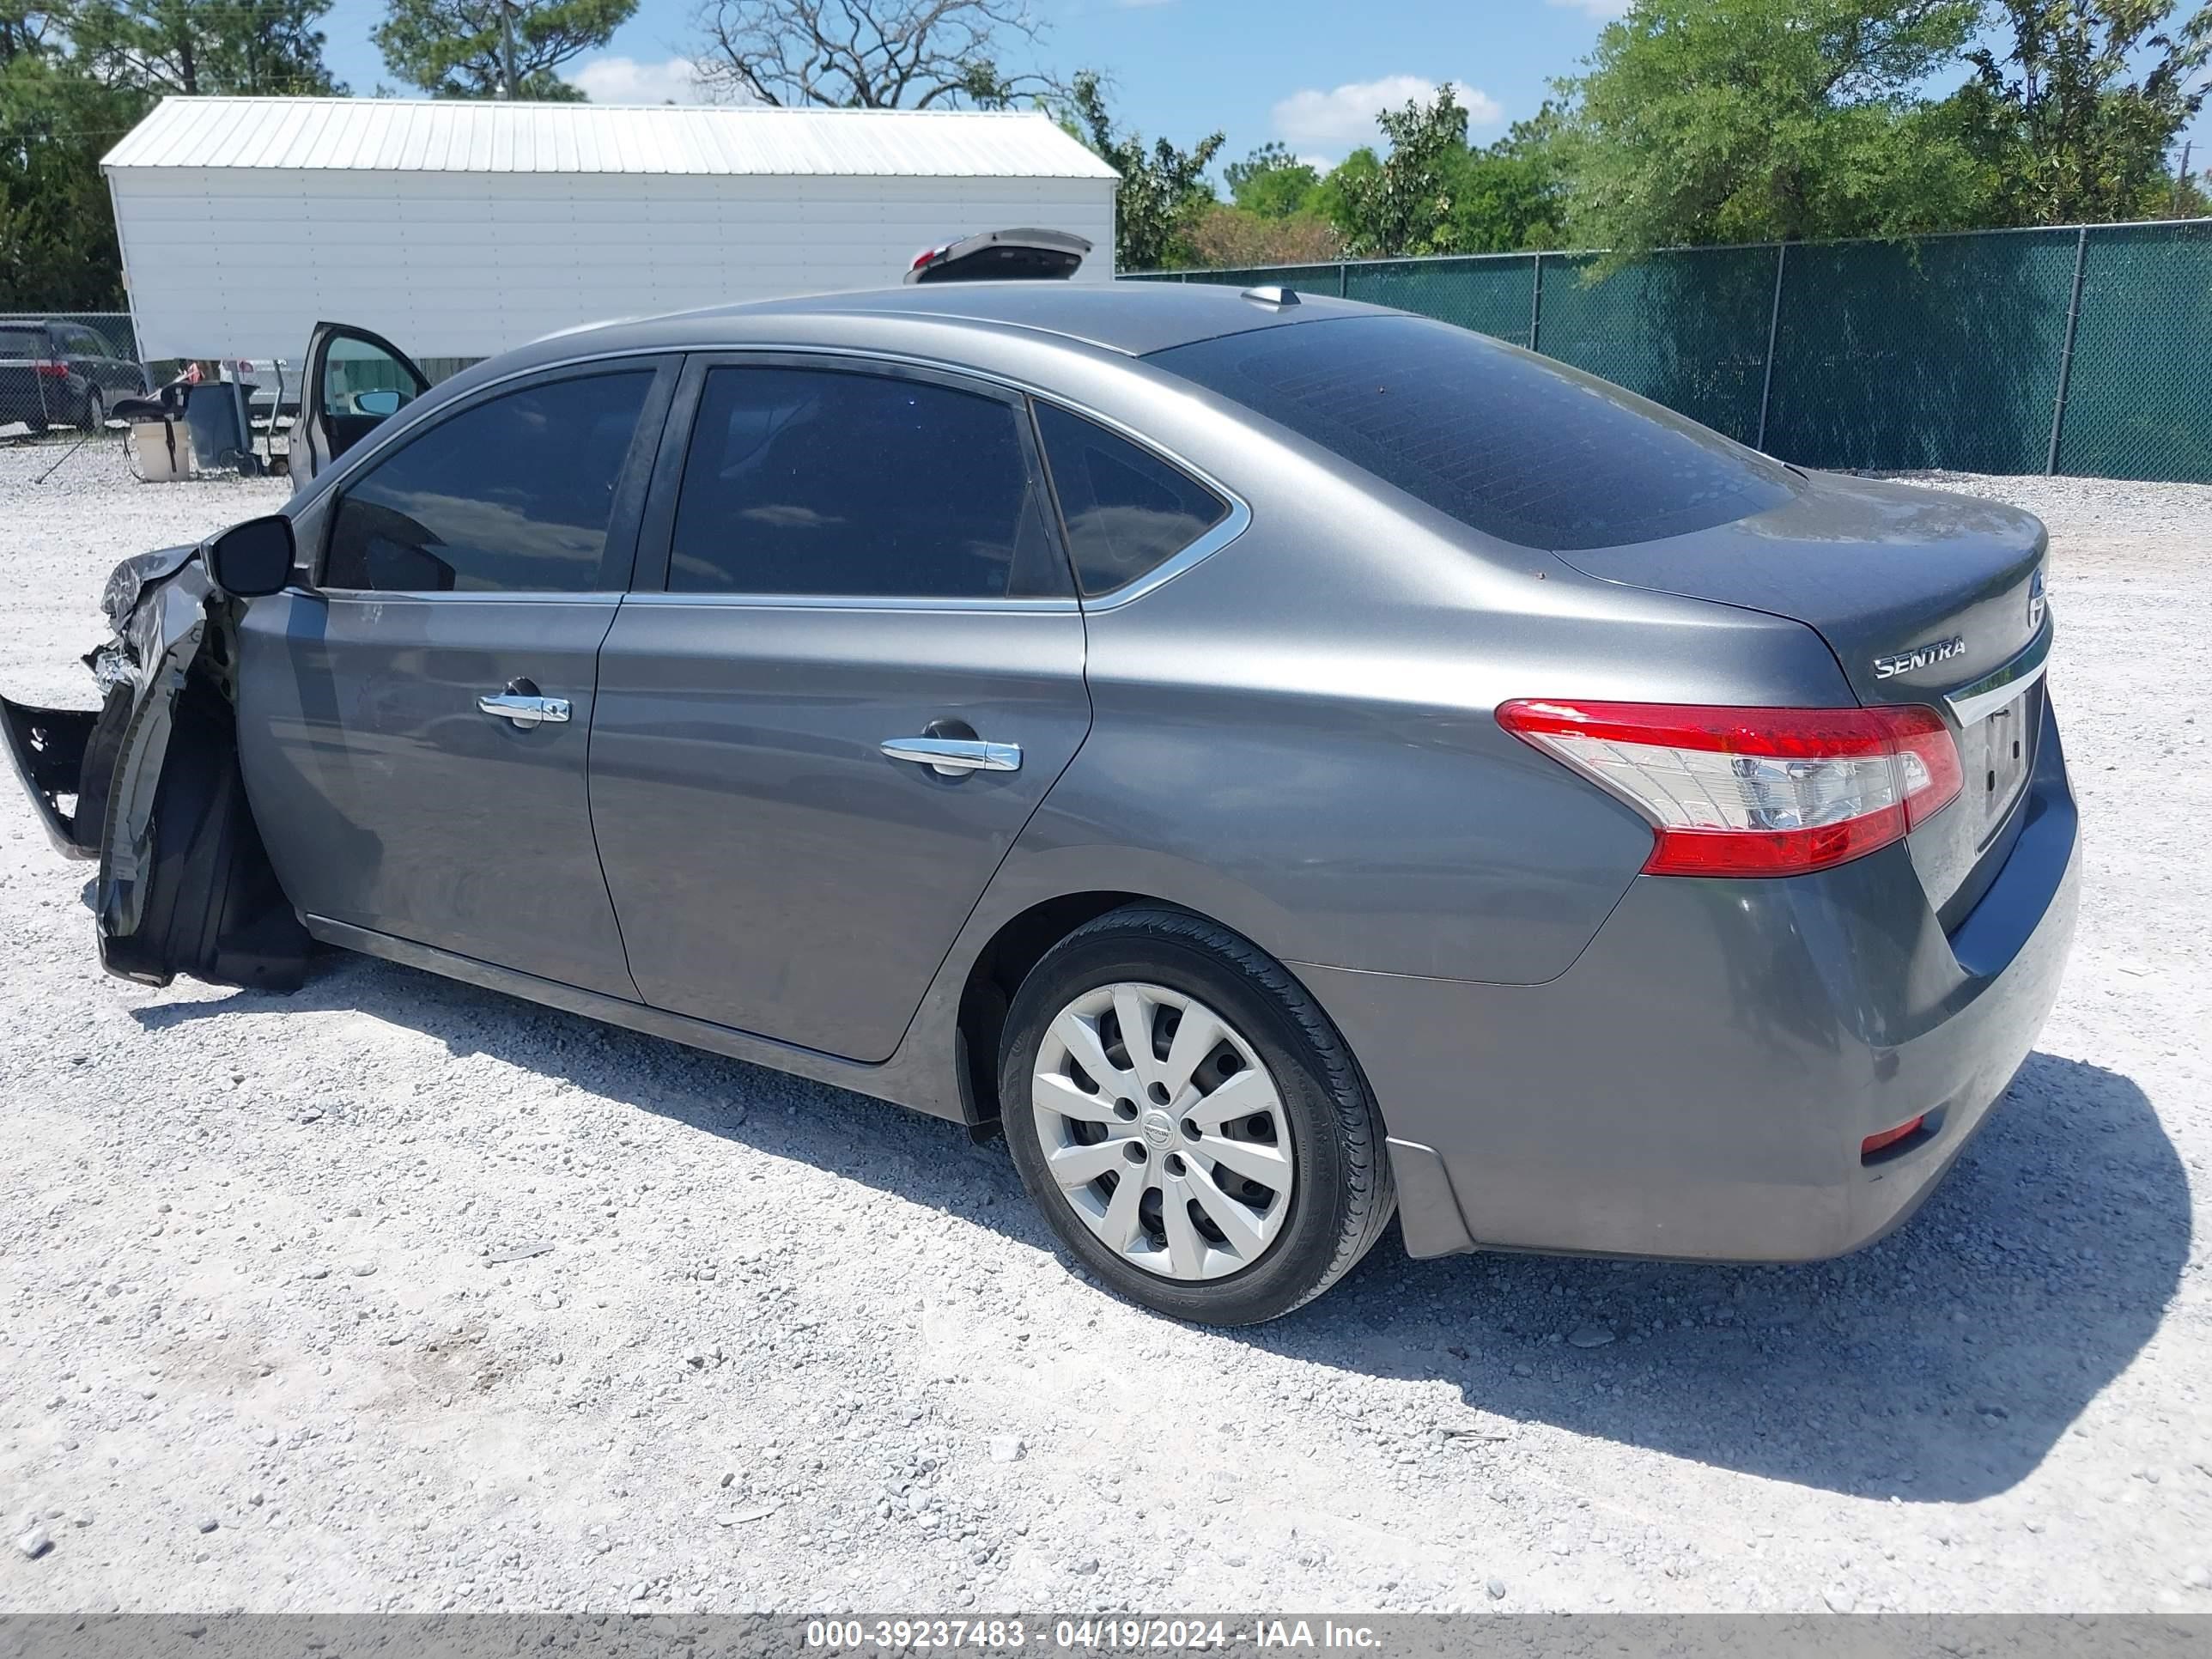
x=457 y=229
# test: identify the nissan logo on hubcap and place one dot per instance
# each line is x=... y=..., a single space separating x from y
x=1159 y=1128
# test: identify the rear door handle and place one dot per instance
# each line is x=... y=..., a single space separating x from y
x=525 y=711
x=950 y=758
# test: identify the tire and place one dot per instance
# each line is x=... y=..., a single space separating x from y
x=1213 y=1235
x=93 y=417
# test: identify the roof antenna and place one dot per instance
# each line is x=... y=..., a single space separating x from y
x=1271 y=296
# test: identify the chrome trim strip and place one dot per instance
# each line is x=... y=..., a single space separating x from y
x=1238 y=521
x=488 y=596
x=955 y=754
x=1985 y=695
x=1240 y=513
x=851 y=602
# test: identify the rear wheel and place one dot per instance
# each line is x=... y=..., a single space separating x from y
x=92 y=417
x=1189 y=1122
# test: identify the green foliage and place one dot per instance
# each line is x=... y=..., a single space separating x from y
x=2071 y=130
x=1273 y=183
x=214 y=46
x=76 y=76
x=1405 y=204
x=452 y=48
x=1750 y=120
x=1163 y=189
x=1432 y=194
x=58 y=249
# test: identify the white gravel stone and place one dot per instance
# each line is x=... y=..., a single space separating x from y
x=884 y=1302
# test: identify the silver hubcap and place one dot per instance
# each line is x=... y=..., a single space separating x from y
x=1163 y=1130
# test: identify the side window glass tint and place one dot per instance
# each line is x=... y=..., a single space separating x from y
x=1127 y=511
x=803 y=481
x=359 y=378
x=511 y=496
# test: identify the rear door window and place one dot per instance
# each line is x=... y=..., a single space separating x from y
x=822 y=482
x=1126 y=511
x=1517 y=446
x=512 y=495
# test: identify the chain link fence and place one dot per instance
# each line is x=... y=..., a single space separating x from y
x=2084 y=350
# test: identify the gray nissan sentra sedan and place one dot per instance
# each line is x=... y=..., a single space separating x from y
x=1282 y=763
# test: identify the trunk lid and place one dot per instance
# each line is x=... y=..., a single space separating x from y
x=1924 y=598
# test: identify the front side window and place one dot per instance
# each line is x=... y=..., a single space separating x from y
x=823 y=482
x=1515 y=446
x=1126 y=511
x=361 y=378
x=514 y=495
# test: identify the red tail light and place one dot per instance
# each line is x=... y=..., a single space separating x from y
x=1754 y=791
x=50 y=371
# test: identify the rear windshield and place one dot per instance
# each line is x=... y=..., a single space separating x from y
x=1515 y=445
x=22 y=342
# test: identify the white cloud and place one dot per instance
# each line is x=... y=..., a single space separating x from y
x=626 y=80
x=1344 y=117
x=1604 y=11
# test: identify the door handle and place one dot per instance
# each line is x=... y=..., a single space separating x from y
x=527 y=712
x=952 y=757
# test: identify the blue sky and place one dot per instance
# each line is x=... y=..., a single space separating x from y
x=1297 y=71
x=1291 y=69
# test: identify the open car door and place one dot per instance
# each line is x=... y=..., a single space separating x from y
x=355 y=381
x=998 y=256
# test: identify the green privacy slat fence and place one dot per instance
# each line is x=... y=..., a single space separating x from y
x=2085 y=349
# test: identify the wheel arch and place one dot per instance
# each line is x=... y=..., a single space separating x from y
x=1014 y=949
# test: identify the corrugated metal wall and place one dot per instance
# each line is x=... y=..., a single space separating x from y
x=243 y=263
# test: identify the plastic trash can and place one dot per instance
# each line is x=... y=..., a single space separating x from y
x=216 y=414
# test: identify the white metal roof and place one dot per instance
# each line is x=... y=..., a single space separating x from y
x=455 y=135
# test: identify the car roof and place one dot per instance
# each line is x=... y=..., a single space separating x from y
x=1133 y=318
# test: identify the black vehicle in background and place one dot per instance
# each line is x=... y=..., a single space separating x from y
x=57 y=373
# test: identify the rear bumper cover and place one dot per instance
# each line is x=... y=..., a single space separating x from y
x=1697 y=1084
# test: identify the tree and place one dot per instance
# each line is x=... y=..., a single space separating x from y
x=1273 y=183
x=1226 y=236
x=2076 y=133
x=1513 y=195
x=1404 y=206
x=1751 y=120
x=193 y=46
x=457 y=48
x=870 y=54
x=57 y=247
x=1163 y=190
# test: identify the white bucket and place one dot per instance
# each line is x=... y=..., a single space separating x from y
x=150 y=443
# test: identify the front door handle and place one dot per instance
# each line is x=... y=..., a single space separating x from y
x=952 y=757
x=527 y=711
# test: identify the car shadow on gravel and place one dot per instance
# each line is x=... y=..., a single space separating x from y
x=1940 y=1365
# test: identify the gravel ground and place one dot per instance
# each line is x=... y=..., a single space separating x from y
x=397 y=1294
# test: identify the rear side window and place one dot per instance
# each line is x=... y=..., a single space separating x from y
x=18 y=342
x=805 y=481
x=1126 y=511
x=512 y=495
x=1516 y=447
